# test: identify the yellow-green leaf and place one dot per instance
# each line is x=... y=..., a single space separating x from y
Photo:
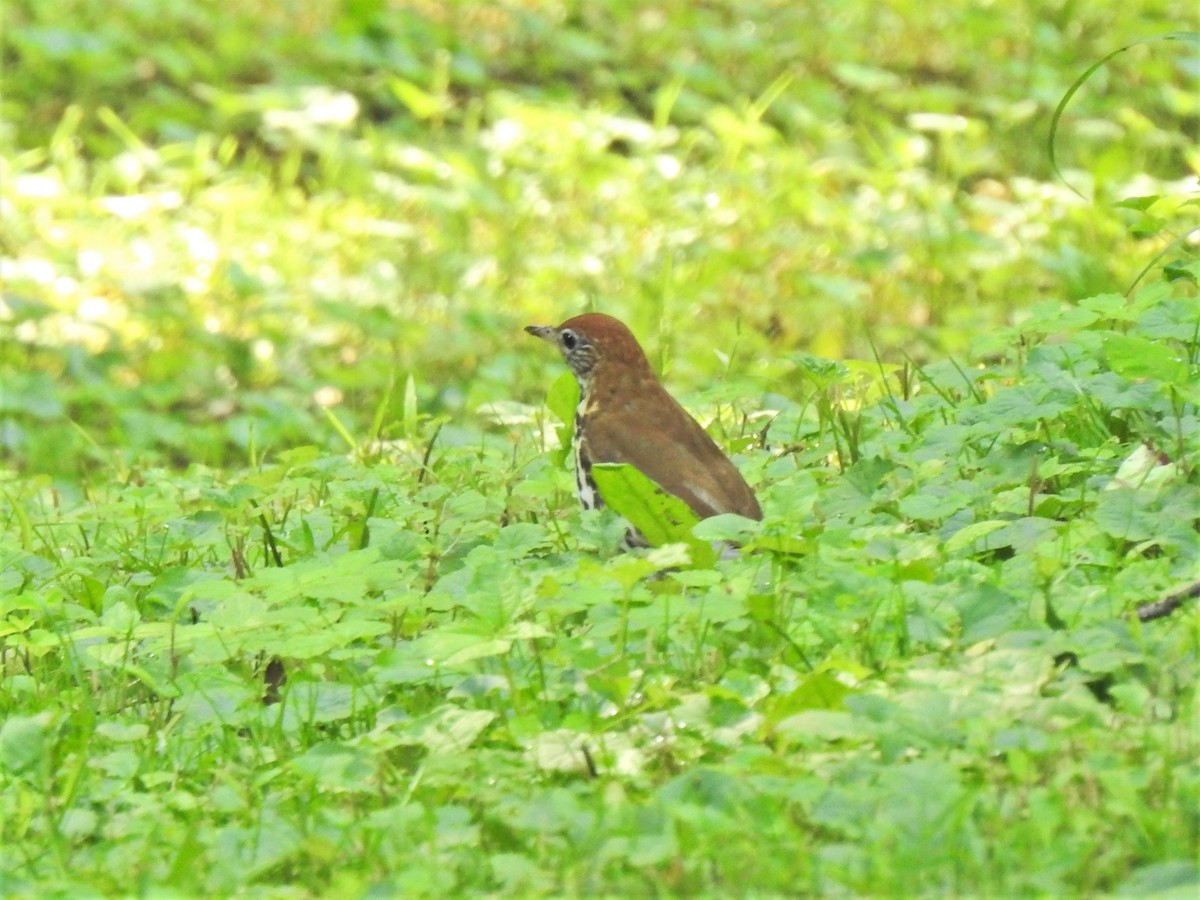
x=563 y=397
x=660 y=517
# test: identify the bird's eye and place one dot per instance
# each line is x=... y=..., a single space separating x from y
x=569 y=340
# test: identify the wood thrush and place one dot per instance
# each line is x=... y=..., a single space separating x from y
x=626 y=416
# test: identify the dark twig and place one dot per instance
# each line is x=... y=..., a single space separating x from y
x=428 y=454
x=268 y=536
x=1168 y=604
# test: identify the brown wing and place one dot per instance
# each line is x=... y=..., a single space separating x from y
x=658 y=437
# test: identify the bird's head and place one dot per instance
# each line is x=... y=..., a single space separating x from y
x=594 y=341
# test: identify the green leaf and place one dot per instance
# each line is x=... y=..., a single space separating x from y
x=1137 y=357
x=23 y=742
x=661 y=518
x=1171 y=878
x=1147 y=227
x=1129 y=514
x=823 y=689
x=1178 y=318
x=563 y=397
x=1139 y=203
x=561 y=400
x=311 y=703
x=452 y=730
x=419 y=101
x=336 y=767
x=967 y=536
x=780 y=543
x=1182 y=271
x=726 y=527
x=347 y=578
x=822 y=372
x=453 y=648
x=1110 y=306
x=1053 y=317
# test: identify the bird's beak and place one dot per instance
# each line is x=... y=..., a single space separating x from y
x=545 y=332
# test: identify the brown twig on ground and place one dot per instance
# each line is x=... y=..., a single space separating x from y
x=1168 y=604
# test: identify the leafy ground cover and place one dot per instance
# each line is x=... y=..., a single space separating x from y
x=271 y=429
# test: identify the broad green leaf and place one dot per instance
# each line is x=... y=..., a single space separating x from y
x=822 y=372
x=1022 y=404
x=560 y=750
x=1182 y=271
x=820 y=690
x=527 y=631
x=420 y=102
x=726 y=527
x=23 y=742
x=1139 y=203
x=563 y=397
x=1053 y=316
x=348 y=578
x=1147 y=227
x=1173 y=878
x=324 y=701
x=1176 y=319
x=520 y=539
x=936 y=501
x=1137 y=357
x=308 y=644
x=780 y=543
x=562 y=400
x=452 y=730
x=1111 y=306
x=661 y=518
x=965 y=537
x=454 y=647
x=819 y=726
x=481 y=649
x=337 y=767
x=1129 y=514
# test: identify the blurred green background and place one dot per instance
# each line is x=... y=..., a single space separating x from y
x=219 y=218
x=238 y=239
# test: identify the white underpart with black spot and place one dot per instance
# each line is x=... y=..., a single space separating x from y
x=586 y=487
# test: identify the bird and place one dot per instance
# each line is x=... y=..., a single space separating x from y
x=625 y=415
